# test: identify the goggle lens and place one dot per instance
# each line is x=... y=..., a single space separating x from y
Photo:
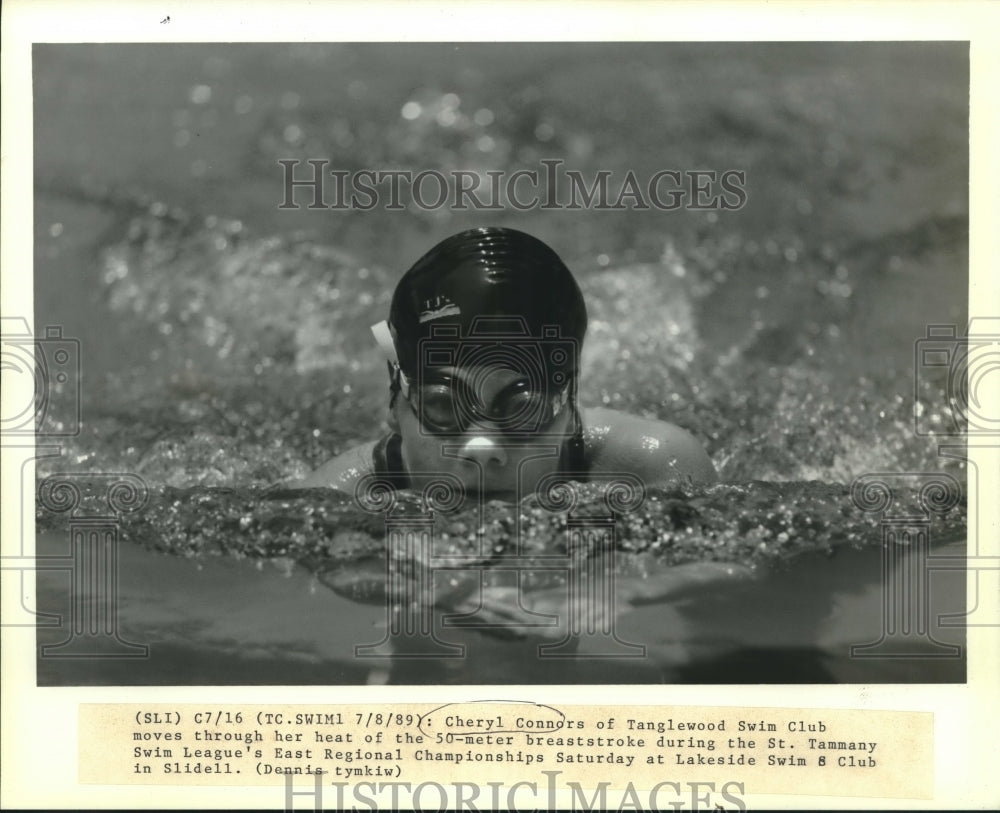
x=453 y=409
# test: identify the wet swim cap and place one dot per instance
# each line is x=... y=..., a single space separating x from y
x=488 y=283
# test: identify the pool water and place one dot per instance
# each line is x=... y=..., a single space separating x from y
x=226 y=348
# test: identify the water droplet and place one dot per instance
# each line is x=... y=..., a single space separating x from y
x=411 y=111
x=483 y=117
x=545 y=131
x=56 y=229
x=447 y=117
x=200 y=94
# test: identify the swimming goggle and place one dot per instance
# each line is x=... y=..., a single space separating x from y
x=451 y=406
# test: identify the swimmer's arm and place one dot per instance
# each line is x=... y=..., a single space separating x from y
x=343 y=471
x=656 y=451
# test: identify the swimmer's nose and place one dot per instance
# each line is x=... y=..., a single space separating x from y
x=484 y=450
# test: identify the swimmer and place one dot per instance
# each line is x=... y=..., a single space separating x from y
x=483 y=343
x=483 y=347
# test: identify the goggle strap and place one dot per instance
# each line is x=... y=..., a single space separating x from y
x=383 y=336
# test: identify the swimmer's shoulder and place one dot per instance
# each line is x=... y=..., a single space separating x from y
x=343 y=471
x=656 y=451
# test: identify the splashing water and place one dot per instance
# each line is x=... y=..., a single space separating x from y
x=266 y=369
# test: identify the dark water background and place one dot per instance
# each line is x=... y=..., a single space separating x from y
x=226 y=348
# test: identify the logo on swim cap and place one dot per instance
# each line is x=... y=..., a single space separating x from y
x=437 y=307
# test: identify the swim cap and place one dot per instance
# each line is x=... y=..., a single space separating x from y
x=488 y=285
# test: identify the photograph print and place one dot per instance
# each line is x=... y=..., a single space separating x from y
x=500 y=363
